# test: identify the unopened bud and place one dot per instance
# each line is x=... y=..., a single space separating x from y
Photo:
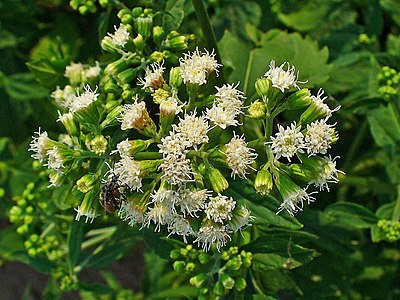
x=137 y=11
x=139 y=42
x=177 y=43
x=219 y=289
x=263 y=183
x=145 y=25
x=203 y=258
x=190 y=267
x=179 y=266
x=175 y=77
x=86 y=183
x=227 y=281
x=199 y=280
x=263 y=86
x=116 y=67
x=299 y=99
x=174 y=254
x=127 y=75
x=98 y=144
x=158 y=34
x=216 y=179
x=240 y=284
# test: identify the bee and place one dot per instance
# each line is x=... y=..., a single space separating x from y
x=111 y=196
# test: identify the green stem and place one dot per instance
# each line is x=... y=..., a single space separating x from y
x=396 y=211
x=208 y=32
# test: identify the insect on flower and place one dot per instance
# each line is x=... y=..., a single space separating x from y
x=111 y=196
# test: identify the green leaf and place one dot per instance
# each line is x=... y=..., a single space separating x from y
x=74 y=241
x=384 y=126
x=46 y=73
x=23 y=86
x=304 y=53
x=10 y=243
x=351 y=214
x=393 y=9
x=173 y=15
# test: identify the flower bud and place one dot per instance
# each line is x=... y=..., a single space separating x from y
x=127 y=75
x=137 y=11
x=177 y=43
x=111 y=119
x=116 y=67
x=219 y=289
x=175 y=78
x=160 y=95
x=145 y=25
x=88 y=114
x=263 y=183
x=299 y=99
x=156 y=56
x=98 y=144
x=139 y=42
x=104 y=3
x=240 y=284
x=55 y=178
x=86 y=209
x=216 y=179
x=263 y=87
x=174 y=254
x=234 y=263
x=227 y=281
x=86 y=182
x=203 y=258
x=108 y=45
x=179 y=266
x=199 y=280
x=69 y=123
x=111 y=87
x=158 y=34
x=123 y=12
x=256 y=110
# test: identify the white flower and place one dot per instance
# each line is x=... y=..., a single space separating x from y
x=177 y=169
x=173 y=144
x=131 y=212
x=132 y=115
x=192 y=130
x=120 y=36
x=58 y=95
x=123 y=148
x=318 y=138
x=280 y=78
x=68 y=96
x=192 y=201
x=227 y=106
x=90 y=214
x=180 y=226
x=54 y=160
x=73 y=70
x=209 y=235
x=321 y=107
x=220 y=208
x=153 y=78
x=287 y=141
x=39 y=145
x=328 y=174
x=170 y=106
x=93 y=71
x=195 y=66
x=83 y=100
x=128 y=172
x=239 y=157
x=241 y=219
x=160 y=214
x=162 y=194
x=293 y=201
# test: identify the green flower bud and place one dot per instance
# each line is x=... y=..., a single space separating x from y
x=174 y=254
x=104 y=3
x=111 y=87
x=240 y=284
x=137 y=11
x=22 y=229
x=263 y=87
x=179 y=266
x=225 y=255
x=156 y=56
x=234 y=263
x=123 y=12
x=183 y=252
x=28 y=219
x=158 y=34
x=233 y=250
x=219 y=289
x=116 y=67
x=199 y=280
x=32 y=252
x=83 y=9
x=108 y=46
x=190 y=267
x=160 y=95
x=139 y=42
x=69 y=123
x=299 y=99
x=145 y=26
x=55 y=178
x=256 y=110
x=227 y=281
x=203 y=258
x=177 y=43
x=86 y=182
x=216 y=179
x=29 y=210
x=263 y=183
x=175 y=78
x=127 y=75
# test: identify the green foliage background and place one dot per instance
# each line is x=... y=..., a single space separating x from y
x=338 y=45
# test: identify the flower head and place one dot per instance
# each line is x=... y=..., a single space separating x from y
x=121 y=35
x=74 y=71
x=153 y=78
x=135 y=116
x=318 y=138
x=328 y=174
x=128 y=172
x=180 y=226
x=212 y=234
x=40 y=145
x=280 y=78
x=241 y=219
x=177 y=169
x=93 y=71
x=287 y=141
x=220 y=208
x=321 y=108
x=54 y=159
x=131 y=212
x=192 y=201
x=83 y=100
x=238 y=156
x=159 y=214
x=192 y=130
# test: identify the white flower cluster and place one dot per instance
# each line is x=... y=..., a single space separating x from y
x=196 y=66
x=78 y=70
x=121 y=35
x=83 y=100
x=153 y=78
x=282 y=79
x=227 y=106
